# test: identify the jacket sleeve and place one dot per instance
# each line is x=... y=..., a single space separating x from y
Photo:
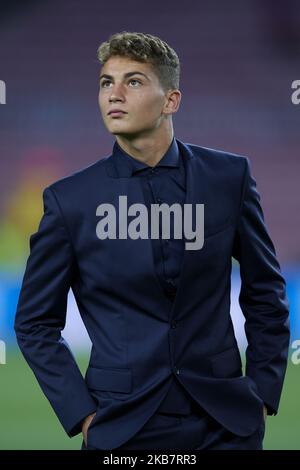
x=41 y=315
x=262 y=298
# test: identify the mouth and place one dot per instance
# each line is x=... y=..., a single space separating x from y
x=116 y=113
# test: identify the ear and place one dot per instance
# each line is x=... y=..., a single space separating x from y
x=172 y=102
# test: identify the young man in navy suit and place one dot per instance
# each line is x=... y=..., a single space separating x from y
x=165 y=370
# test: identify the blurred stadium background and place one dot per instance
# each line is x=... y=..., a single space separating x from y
x=238 y=60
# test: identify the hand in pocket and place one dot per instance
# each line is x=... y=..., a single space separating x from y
x=85 y=426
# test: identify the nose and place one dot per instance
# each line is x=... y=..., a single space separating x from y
x=116 y=93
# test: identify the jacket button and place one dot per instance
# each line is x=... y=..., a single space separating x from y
x=174 y=324
x=176 y=370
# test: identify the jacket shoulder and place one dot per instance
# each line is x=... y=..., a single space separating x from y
x=217 y=156
x=81 y=178
x=222 y=166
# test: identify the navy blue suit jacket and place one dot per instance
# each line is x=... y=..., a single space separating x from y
x=136 y=353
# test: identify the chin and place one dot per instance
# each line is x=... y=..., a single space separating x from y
x=116 y=130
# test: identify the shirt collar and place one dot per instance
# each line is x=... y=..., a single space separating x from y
x=126 y=164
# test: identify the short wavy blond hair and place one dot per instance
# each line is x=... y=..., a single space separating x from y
x=144 y=48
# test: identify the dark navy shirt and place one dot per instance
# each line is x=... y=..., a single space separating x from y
x=163 y=183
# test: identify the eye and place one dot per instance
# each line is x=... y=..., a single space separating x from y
x=104 y=82
x=135 y=80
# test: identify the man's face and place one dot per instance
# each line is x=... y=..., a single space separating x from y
x=132 y=87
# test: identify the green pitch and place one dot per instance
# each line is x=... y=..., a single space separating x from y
x=28 y=421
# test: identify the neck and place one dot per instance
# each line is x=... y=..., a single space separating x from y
x=148 y=149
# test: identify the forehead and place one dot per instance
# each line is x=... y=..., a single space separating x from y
x=117 y=66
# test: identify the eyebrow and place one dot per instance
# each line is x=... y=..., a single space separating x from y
x=126 y=75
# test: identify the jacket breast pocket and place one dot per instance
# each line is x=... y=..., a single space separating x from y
x=110 y=382
x=211 y=230
x=226 y=363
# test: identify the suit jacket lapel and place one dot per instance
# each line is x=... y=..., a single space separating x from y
x=195 y=193
x=124 y=184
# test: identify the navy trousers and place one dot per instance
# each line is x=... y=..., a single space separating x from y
x=194 y=431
